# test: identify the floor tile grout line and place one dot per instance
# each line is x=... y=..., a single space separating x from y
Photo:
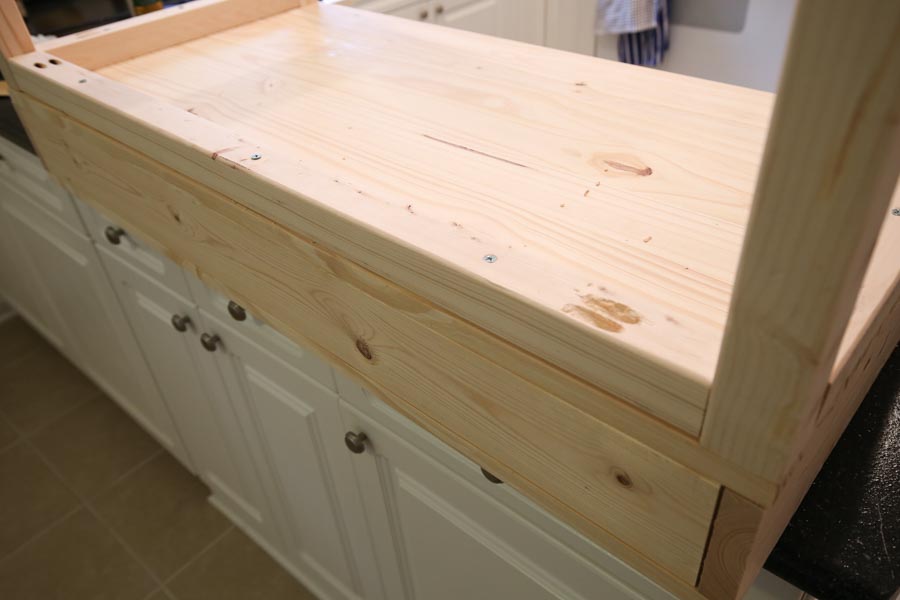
x=49 y=527
x=88 y=507
x=131 y=470
x=25 y=436
x=197 y=556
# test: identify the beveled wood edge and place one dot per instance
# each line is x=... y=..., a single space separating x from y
x=109 y=44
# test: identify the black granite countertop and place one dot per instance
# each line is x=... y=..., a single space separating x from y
x=843 y=543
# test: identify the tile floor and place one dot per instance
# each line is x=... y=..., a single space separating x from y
x=91 y=507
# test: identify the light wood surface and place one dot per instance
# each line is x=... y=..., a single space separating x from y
x=731 y=541
x=185 y=142
x=628 y=497
x=394 y=156
x=14 y=37
x=812 y=230
x=153 y=31
x=616 y=211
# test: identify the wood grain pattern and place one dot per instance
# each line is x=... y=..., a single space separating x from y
x=734 y=530
x=831 y=415
x=818 y=207
x=14 y=37
x=597 y=195
x=153 y=31
x=644 y=506
x=183 y=141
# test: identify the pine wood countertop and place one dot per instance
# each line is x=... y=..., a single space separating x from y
x=530 y=253
x=613 y=198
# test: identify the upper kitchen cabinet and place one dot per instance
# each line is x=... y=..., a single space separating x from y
x=521 y=20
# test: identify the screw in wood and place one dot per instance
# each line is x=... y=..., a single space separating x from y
x=895 y=212
x=490 y=258
x=255 y=156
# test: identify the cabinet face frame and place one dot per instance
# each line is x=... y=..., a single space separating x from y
x=763 y=438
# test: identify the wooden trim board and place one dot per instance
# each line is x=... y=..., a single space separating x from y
x=109 y=44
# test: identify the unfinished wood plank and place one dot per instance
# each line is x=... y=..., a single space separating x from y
x=625 y=286
x=14 y=37
x=831 y=163
x=642 y=504
x=147 y=33
x=744 y=554
x=734 y=530
x=183 y=141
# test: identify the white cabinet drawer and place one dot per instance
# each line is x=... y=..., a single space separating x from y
x=242 y=322
x=24 y=172
x=124 y=245
x=442 y=531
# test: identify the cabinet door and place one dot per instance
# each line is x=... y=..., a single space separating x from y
x=99 y=338
x=293 y=425
x=521 y=20
x=18 y=278
x=440 y=536
x=167 y=328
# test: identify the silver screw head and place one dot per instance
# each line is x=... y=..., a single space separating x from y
x=255 y=156
x=895 y=212
x=490 y=258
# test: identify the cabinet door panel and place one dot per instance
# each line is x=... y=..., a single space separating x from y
x=439 y=537
x=99 y=338
x=172 y=356
x=19 y=279
x=480 y=16
x=290 y=421
x=521 y=20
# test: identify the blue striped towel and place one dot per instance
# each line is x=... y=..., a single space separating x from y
x=642 y=26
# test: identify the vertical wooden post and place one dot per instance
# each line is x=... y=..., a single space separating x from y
x=14 y=37
x=830 y=166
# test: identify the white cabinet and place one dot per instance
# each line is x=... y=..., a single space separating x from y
x=167 y=328
x=96 y=335
x=19 y=283
x=521 y=20
x=443 y=534
x=293 y=427
x=392 y=516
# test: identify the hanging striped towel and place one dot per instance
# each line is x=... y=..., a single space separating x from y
x=642 y=26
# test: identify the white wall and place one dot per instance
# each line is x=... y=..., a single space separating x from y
x=751 y=58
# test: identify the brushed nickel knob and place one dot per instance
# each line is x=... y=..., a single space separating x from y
x=180 y=322
x=423 y=15
x=440 y=9
x=356 y=442
x=114 y=235
x=490 y=476
x=210 y=342
x=236 y=311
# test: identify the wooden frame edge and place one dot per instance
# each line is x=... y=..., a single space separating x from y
x=744 y=533
x=110 y=44
x=803 y=260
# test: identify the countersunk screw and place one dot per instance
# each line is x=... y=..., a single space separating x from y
x=895 y=212
x=255 y=156
x=490 y=258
